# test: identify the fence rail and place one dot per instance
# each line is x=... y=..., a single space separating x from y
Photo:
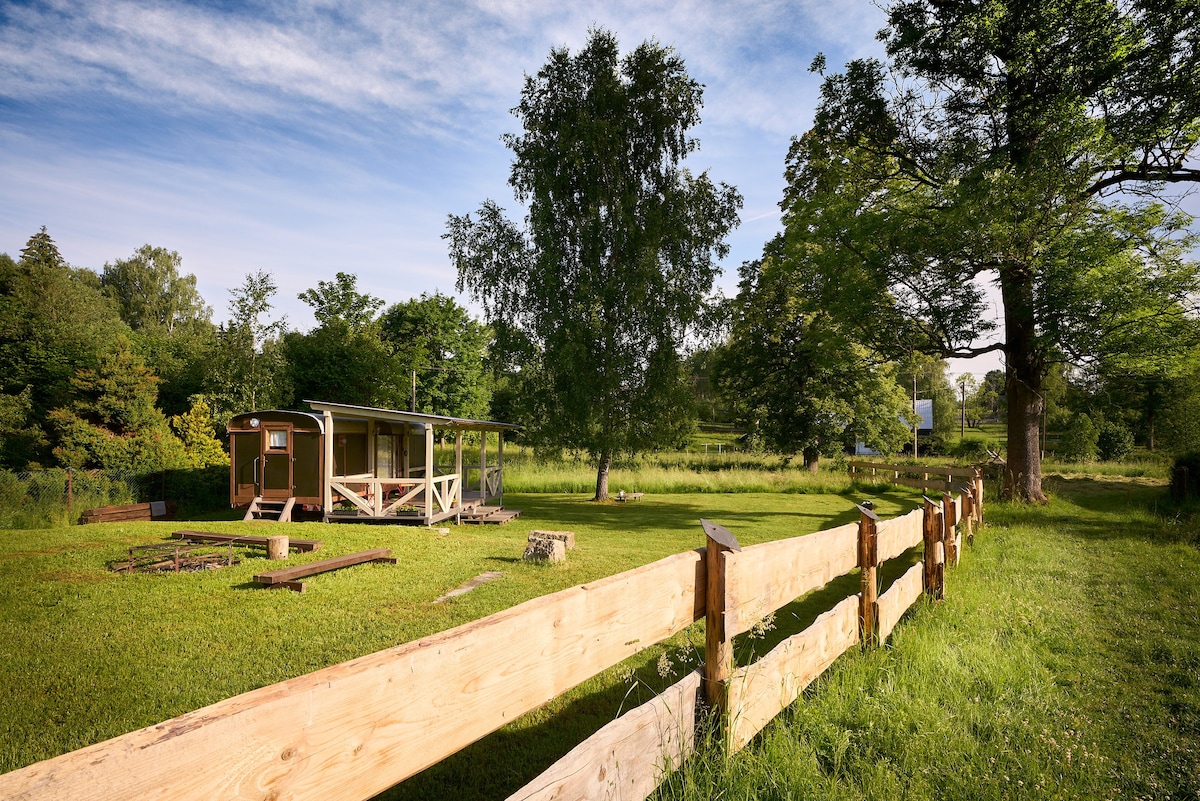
x=352 y=730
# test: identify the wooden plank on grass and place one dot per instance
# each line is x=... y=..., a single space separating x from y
x=248 y=539
x=762 y=578
x=903 y=593
x=628 y=758
x=352 y=730
x=323 y=566
x=899 y=534
x=760 y=691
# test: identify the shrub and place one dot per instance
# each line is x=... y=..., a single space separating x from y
x=1114 y=442
x=1079 y=442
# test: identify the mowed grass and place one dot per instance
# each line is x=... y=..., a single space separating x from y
x=1063 y=664
x=88 y=654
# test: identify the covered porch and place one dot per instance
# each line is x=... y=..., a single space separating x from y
x=381 y=465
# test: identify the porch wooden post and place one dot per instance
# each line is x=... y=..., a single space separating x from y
x=327 y=469
x=500 y=464
x=483 y=468
x=428 y=474
x=458 y=466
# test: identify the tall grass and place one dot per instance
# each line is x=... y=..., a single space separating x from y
x=1063 y=664
x=577 y=477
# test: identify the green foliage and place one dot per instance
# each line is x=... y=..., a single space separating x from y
x=338 y=303
x=151 y=293
x=113 y=422
x=1080 y=442
x=1177 y=401
x=611 y=269
x=249 y=369
x=989 y=150
x=794 y=378
x=435 y=337
x=172 y=326
x=197 y=431
x=54 y=321
x=1114 y=441
x=973 y=449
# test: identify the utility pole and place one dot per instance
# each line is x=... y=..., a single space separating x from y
x=414 y=391
x=963 y=413
x=916 y=418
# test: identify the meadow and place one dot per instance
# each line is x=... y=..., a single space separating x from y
x=1062 y=664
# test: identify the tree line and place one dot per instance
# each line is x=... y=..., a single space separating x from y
x=125 y=369
x=1027 y=146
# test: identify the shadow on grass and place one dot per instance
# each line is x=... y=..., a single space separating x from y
x=503 y=762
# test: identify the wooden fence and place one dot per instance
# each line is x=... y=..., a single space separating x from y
x=352 y=730
x=923 y=477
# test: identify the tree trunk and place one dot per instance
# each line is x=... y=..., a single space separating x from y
x=812 y=459
x=602 y=477
x=1023 y=387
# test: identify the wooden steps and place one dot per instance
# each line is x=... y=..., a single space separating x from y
x=280 y=511
x=304 y=546
x=497 y=515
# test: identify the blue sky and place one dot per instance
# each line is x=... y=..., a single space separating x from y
x=309 y=137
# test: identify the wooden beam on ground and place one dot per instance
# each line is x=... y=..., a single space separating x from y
x=323 y=566
x=303 y=546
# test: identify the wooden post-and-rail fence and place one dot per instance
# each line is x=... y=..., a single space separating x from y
x=352 y=730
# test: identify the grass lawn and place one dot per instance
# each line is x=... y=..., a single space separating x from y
x=1064 y=663
x=88 y=654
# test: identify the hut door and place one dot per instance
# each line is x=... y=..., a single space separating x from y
x=277 y=461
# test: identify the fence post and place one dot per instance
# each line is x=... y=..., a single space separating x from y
x=968 y=512
x=949 y=521
x=868 y=558
x=70 y=491
x=978 y=484
x=718 y=646
x=931 y=530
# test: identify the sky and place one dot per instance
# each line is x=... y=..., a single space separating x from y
x=308 y=137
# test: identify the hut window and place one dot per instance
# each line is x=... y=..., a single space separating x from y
x=278 y=440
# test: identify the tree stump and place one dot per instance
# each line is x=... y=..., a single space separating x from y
x=277 y=547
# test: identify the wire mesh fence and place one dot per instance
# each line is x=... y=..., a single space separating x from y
x=58 y=497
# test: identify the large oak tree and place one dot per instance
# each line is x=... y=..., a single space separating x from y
x=1022 y=144
x=617 y=253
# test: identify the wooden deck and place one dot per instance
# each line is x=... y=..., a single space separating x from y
x=497 y=515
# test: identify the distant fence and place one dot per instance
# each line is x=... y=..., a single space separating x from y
x=352 y=730
x=922 y=477
x=57 y=497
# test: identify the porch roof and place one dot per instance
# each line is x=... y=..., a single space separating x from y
x=349 y=411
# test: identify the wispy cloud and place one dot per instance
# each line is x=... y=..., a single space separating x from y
x=313 y=135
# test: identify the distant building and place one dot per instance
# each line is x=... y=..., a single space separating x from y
x=924 y=428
